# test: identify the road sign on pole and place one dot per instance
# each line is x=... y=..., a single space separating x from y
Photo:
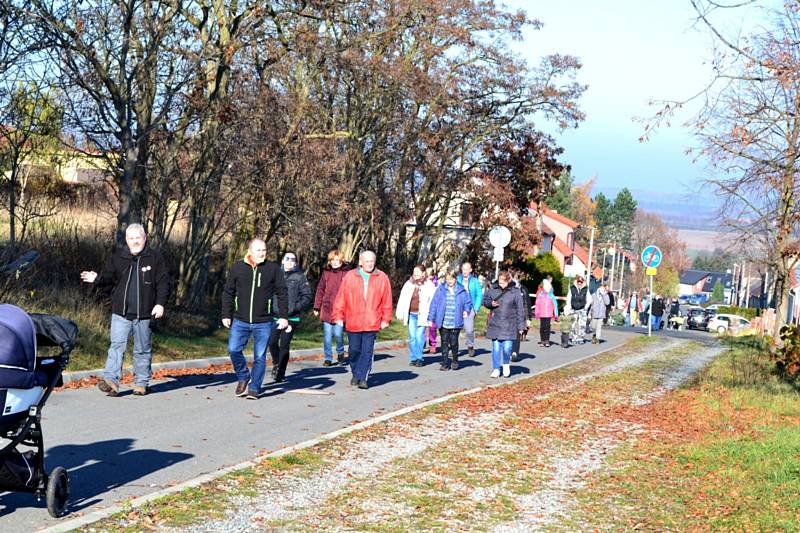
x=499 y=237
x=651 y=258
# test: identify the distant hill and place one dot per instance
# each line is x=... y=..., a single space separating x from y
x=678 y=210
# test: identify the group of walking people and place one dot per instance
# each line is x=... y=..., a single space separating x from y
x=265 y=301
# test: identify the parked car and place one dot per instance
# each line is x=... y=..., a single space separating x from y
x=698 y=318
x=715 y=307
x=724 y=323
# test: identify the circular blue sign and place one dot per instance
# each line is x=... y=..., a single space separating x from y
x=651 y=256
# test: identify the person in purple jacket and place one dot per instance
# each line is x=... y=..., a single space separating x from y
x=327 y=289
x=450 y=306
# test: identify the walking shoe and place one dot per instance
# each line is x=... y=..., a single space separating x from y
x=354 y=381
x=139 y=390
x=506 y=370
x=344 y=361
x=471 y=351
x=251 y=395
x=327 y=362
x=108 y=386
x=241 y=387
x=427 y=349
x=274 y=371
x=594 y=339
x=444 y=367
x=362 y=384
x=454 y=365
x=495 y=373
x=514 y=357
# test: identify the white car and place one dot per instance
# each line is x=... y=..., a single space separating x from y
x=727 y=323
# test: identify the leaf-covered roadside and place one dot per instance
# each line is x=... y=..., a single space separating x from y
x=604 y=444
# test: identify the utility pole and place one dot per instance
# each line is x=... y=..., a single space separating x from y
x=613 y=266
x=589 y=265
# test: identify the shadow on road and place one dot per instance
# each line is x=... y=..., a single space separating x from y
x=95 y=469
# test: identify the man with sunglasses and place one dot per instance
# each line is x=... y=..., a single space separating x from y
x=300 y=299
x=577 y=304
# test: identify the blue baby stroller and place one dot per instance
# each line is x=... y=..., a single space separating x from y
x=26 y=380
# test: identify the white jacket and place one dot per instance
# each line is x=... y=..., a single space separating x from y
x=426 y=292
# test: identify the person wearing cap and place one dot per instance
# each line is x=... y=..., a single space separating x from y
x=578 y=304
x=248 y=311
x=299 y=293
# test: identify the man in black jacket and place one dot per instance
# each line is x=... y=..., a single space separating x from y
x=247 y=309
x=141 y=286
x=300 y=299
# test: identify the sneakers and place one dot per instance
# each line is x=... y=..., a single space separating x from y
x=514 y=357
x=454 y=365
x=241 y=387
x=362 y=384
x=444 y=367
x=344 y=361
x=108 y=386
x=327 y=362
x=471 y=351
x=594 y=339
x=274 y=371
x=354 y=381
x=506 y=370
x=495 y=373
x=139 y=390
x=251 y=395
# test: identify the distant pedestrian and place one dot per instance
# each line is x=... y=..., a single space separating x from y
x=612 y=302
x=299 y=295
x=598 y=308
x=632 y=307
x=506 y=320
x=327 y=289
x=526 y=302
x=657 y=312
x=248 y=311
x=473 y=286
x=412 y=308
x=431 y=336
x=578 y=304
x=364 y=307
x=546 y=311
x=141 y=286
x=450 y=306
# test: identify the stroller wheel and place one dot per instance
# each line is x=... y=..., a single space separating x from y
x=57 y=492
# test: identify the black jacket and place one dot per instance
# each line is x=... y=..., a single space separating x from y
x=300 y=297
x=248 y=292
x=658 y=307
x=508 y=317
x=147 y=270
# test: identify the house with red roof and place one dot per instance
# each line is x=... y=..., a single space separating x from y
x=558 y=238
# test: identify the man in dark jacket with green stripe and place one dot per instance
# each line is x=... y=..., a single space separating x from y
x=248 y=311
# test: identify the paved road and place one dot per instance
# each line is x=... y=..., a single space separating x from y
x=118 y=448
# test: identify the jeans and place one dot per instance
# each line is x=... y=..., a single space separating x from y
x=331 y=332
x=501 y=349
x=416 y=337
x=362 y=351
x=121 y=329
x=469 y=329
x=279 y=342
x=656 y=322
x=240 y=334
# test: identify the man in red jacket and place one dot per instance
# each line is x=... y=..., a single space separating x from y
x=364 y=307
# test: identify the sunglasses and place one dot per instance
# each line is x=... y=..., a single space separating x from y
x=287 y=258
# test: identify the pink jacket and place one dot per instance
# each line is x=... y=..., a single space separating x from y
x=544 y=305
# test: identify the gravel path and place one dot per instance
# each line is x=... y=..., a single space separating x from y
x=543 y=508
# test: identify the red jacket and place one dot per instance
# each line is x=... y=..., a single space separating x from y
x=357 y=312
x=327 y=289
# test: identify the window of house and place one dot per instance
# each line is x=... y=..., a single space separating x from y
x=571 y=240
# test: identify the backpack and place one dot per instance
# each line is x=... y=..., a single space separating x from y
x=578 y=297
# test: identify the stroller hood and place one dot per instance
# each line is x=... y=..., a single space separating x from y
x=17 y=348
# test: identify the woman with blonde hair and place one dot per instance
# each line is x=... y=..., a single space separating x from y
x=327 y=289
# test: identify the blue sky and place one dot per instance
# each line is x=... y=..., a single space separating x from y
x=633 y=51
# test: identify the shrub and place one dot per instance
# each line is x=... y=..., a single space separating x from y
x=747 y=312
x=538 y=267
x=787 y=354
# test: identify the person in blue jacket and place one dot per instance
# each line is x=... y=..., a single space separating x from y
x=473 y=286
x=450 y=306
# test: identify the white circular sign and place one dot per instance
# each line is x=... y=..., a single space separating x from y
x=499 y=236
